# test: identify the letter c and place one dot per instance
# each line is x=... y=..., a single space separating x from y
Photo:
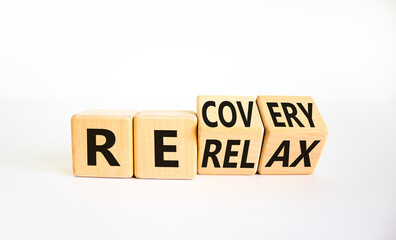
x=205 y=116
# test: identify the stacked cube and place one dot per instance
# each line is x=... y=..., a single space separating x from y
x=229 y=135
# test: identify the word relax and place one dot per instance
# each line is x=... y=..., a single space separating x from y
x=228 y=135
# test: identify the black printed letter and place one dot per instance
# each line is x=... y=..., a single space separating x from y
x=233 y=114
x=205 y=114
x=92 y=148
x=246 y=120
x=229 y=153
x=208 y=154
x=285 y=145
x=305 y=153
x=244 y=164
x=160 y=148
x=308 y=113
x=274 y=114
x=290 y=115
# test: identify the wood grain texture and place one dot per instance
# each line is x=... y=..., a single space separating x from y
x=119 y=122
x=184 y=125
x=295 y=133
x=242 y=133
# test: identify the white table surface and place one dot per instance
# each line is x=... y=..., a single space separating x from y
x=351 y=195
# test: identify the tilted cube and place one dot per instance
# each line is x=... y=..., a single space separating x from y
x=295 y=135
x=230 y=134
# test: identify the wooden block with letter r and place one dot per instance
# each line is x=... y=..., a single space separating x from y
x=230 y=134
x=165 y=144
x=295 y=134
x=102 y=143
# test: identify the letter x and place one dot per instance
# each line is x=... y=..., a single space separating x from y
x=305 y=153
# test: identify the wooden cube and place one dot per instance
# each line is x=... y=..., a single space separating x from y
x=102 y=143
x=230 y=134
x=295 y=134
x=165 y=144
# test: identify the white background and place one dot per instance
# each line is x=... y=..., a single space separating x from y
x=58 y=58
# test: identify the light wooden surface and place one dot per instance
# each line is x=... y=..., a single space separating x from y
x=119 y=122
x=278 y=138
x=242 y=133
x=184 y=125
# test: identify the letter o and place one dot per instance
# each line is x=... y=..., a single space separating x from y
x=233 y=114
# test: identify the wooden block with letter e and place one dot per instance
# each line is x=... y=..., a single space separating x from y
x=230 y=134
x=102 y=143
x=295 y=134
x=165 y=144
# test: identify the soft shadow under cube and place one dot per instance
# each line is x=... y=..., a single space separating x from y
x=295 y=134
x=102 y=143
x=165 y=144
x=230 y=134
